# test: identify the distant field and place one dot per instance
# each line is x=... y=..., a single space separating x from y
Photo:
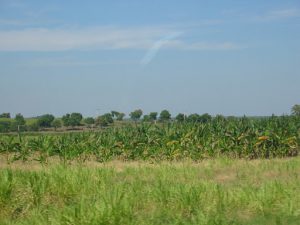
x=234 y=138
x=218 y=191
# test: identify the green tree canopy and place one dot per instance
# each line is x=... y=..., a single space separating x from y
x=20 y=119
x=296 y=110
x=136 y=114
x=165 y=115
x=180 y=117
x=120 y=116
x=146 y=118
x=5 y=115
x=117 y=115
x=56 y=123
x=193 y=118
x=45 y=120
x=153 y=116
x=205 y=118
x=104 y=120
x=72 y=119
x=89 y=120
x=5 y=126
x=114 y=114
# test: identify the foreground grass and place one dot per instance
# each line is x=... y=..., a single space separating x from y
x=219 y=191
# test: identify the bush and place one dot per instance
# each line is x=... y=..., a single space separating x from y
x=5 y=126
x=104 y=120
x=73 y=119
x=56 y=123
x=89 y=120
x=33 y=126
x=45 y=120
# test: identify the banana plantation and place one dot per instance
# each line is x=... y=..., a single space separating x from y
x=244 y=137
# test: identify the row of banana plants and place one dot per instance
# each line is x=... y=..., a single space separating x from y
x=239 y=138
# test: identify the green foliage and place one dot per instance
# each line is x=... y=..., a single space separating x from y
x=219 y=118
x=238 y=138
x=120 y=116
x=89 y=120
x=5 y=115
x=216 y=192
x=56 y=123
x=114 y=114
x=34 y=126
x=153 y=116
x=146 y=118
x=73 y=119
x=45 y=120
x=180 y=117
x=104 y=120
x=205 y=118
x=193 y=118
x=165 y=115
x=136 y=114
x=5 y=125
x=296 y=110
x=117 y=115
x=19 y=119
x=196 y=118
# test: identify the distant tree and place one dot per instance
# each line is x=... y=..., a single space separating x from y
x=180 y=117
x=117 y=115
x=89 y=120
x=72 y=119
x=146 y=118
x=5 y=126
x=296 y=110
x=19 y=119
x=33 y=126
x=104 y=120
x=5 y=115
x=76 y=119
x=45 y=120
x=56 y=123
x=66 y=119
x=153 y=116
x=164 y=115
x=205 y=118
x=114 y=114
x=120 y=116
x=193 y=118
x=136 y=114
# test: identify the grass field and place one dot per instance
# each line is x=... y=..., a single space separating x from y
x=214 y=191
x=222 y=171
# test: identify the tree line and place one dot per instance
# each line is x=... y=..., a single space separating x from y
x=75 y=119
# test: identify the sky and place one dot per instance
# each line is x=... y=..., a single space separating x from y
x=232 y=57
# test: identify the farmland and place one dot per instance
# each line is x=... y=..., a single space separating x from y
x=218 y=171
x=233 y=137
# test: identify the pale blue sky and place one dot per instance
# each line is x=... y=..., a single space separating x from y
x=220 y=57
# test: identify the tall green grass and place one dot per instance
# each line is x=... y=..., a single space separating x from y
x=219 y=191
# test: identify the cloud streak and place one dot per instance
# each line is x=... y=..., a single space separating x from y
x=279 y=15
x=151 y=53
x=101 y=38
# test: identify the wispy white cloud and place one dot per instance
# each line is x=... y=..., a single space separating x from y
x=69 y=62
x=99 y=38
x=9 y=22
x=151 y=53
x=281 y=14
x=222 y=46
